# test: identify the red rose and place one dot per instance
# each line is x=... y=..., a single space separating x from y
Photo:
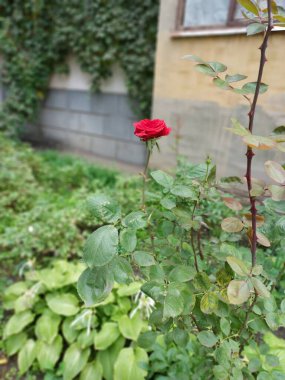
x=151 y=129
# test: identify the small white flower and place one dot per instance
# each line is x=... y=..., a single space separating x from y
x=145 y=305
x=31 y=229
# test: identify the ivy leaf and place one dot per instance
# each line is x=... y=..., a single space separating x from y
x=238 y=292
x=255 y=28
x=275 y=171
x=250 y=6
x=94 y=285
x=207 y=338
x=104 y=208
x=101 y=246
x=162 y=179
x=238 y=266
x=260 y=288
x=232 y=224
x=209 y=303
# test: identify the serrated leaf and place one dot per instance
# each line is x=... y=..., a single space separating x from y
x=255 y=28
x=104 y=208
x=143 y=259
x=207 y=338
x=168 y=202
x=181 y=273
x=183 y=191
x=232 y=224
x=260 y=288
x=128 y=239
x=238 y=292
x=162 y=178
x=121 y=270
x=209 y=303
x=101 y=246
x=173 y=304
x=238 y=266
x=259 y=142
x=94 y=285
x=135 y=220
x=275 y=171
x=235 y=78
x=232 y=203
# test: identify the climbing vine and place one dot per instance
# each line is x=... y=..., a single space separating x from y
x=36 y=36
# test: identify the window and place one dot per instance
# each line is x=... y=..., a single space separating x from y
x=208 y=14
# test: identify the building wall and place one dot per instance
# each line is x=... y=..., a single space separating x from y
x=99 y=124
x=184 y=97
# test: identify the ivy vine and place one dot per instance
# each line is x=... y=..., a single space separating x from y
x=36 y=36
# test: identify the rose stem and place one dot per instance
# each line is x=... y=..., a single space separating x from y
x=251 y=114
x=145 y=176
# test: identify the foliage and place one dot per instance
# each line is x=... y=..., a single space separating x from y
x=49 y=329
x=217 y=290
x=37 y=36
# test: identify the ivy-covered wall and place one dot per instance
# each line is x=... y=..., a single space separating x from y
x=37 y=35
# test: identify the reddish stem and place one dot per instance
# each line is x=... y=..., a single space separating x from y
x=251 y=114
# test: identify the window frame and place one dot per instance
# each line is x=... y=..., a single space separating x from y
x=231 y=27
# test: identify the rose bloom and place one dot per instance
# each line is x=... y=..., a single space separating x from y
x=151 y=129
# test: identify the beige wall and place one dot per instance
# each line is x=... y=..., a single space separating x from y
x=182 y=94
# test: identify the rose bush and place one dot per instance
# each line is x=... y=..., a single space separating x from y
x=151 y=129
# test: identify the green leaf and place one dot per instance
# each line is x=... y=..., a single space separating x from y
x=225 y=326
x=18 y=322
x=48 y=353
x=168 y=202
x=207 y=338
x=104 y=208
x=162 y=178
x=69 y=332
x=209 y=303
x=275 y=171
x=108 y=334
x=147 y=339
x=221 y=84
x=74 y=361
x=26 y=356
x=220 y=372
x=272 y=320
x=193 y=58
x=173 y=304
x=152 y=289
x=134 y=359
x=183 y=191
x=14 y=343
x=205 y=69
x=101 y=247
x=250 y=87
x=47 y=325
x=250 y=6
x=63 y=304
x=135 y=220
x=143 y=259
x=128 y=239
x=130 y=328
x=92 y=371
x=218 y=67
x=277 y=192
x=259 y=142
x=238 y=292
x=107 y=358
x=235 y=78
x=239 y=130
x=181 y=273
x=129 y=290
x=94 y=285
x=232 y=224
x=85 y=339
x=121 y=270
x=202 y=282
x=238 y=266
x=255 y=28
x=260 y=288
